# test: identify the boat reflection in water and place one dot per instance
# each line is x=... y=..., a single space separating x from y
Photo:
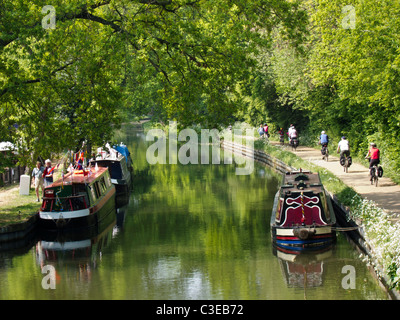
x=76 y=253
x=302 y=269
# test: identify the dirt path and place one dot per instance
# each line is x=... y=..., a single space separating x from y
x=386 y=195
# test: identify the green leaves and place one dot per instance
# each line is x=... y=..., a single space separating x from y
x=175 y=59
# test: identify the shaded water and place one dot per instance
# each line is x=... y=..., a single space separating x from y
x=187 y=232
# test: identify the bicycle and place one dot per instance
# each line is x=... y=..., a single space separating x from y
x=294 y=143
x=374 y=175
x=325 y=152
x=345 y=161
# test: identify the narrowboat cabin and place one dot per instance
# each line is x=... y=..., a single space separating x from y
x=82 y=198
x=119 y=164
x=302 y=216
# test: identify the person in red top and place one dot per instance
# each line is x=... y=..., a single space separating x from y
x=373 y=155
x=48 y=173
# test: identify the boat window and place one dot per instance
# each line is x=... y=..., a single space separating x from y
x=97 y=189
x=108 y=179
x=92 y=192
x=103 y=186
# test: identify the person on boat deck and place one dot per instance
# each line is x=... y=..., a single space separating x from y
x=37 y=175
x=48 y=173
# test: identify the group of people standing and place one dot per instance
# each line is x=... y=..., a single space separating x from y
x=263 y=131
x=42 y=176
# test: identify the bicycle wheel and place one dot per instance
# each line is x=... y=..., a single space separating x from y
x=326 y=154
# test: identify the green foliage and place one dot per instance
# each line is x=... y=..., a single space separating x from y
x=339 y=79
x=108 y=60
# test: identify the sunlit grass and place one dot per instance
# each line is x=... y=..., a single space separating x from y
x=16 y=208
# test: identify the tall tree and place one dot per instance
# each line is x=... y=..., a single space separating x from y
x=67 y=83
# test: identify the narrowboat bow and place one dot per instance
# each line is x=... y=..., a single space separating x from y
x=302 y=216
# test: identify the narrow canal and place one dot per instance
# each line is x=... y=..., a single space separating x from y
x=185 y=232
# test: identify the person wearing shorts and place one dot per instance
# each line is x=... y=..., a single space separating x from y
x=373 y=155
x=343 y=147
x=37 y=175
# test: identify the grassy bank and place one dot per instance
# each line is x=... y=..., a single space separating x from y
x=15 y=208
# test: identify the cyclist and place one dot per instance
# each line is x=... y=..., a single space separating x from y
x=323 y=140
x=343 y=147
x=373 y=156
x=290 y=130
x=292 y=133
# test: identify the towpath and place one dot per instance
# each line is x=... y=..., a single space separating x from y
x=386 y=195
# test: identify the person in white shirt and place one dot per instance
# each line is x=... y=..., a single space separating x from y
x=37 y=175
x=343 y=147
x=292 y=132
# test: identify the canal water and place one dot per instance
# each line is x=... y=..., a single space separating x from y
x=185 y=232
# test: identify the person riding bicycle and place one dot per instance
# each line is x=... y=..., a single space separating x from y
x=343 y=147
x=323 y=140
x=292 y=133
x=373 y=156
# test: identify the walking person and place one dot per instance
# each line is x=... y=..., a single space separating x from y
x=261 y=131
x=37 y=175
x=266 y=134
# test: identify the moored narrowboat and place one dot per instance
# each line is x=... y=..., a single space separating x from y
x=119 y=164
x=82 y=198
x=302 y=216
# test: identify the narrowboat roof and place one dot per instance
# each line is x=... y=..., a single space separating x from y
x=77 y=177
x=297 y=181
